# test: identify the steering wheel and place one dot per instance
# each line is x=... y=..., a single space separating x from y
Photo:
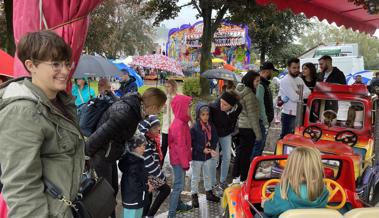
x=313 y=132
x=348 y=137
x=332 y=186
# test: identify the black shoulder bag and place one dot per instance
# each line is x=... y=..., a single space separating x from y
x=95 y=198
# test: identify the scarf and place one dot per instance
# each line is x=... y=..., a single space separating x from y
x=156 y=138
x=207 y=130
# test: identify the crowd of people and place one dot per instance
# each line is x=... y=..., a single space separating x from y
x=41 y=139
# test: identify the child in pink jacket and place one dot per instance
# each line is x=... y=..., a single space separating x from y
x=3 y=207
x=179 y=140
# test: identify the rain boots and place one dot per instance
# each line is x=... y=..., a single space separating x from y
x=195 y=201
x=211 y=197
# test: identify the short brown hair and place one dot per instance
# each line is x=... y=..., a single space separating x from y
x=326 y=58
x=154 y=96
x=103 y=85
x=43 y=45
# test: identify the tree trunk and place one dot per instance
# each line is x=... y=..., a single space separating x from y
x=8 y=6
x=263 y=54
x=206 y=45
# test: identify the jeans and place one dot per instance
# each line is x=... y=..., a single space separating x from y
x=244 y=149
x=151 y=209
x=197 y=167
x=213 y=168
x=133 y=213
x=260 y=145
x=226 y=151
x=178 y=185
x=288 y=124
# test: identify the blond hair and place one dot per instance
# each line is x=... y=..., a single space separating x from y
x=304 y=166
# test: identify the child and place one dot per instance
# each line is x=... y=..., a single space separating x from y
x=301 y=184
x=204 y=142
x=134 y=178
x=179 y=141
x=151 y=128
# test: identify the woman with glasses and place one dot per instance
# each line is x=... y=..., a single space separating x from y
x=39 y=134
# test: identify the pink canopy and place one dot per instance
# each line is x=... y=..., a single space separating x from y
x=68 y=18
x=342 y=12
x=158 y=61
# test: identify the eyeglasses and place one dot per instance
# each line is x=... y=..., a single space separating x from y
x=58 y=65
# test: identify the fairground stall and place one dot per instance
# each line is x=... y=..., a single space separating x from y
x=231 y=44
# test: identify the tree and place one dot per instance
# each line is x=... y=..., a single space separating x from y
x=6 y=27
x=281 y=56
x=322 y=33
x=117 y=29
x=168 y=9
x=270 y=30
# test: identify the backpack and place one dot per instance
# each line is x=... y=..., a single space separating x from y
x=91 y=112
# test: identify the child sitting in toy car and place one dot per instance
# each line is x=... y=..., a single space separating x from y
x=301 y=184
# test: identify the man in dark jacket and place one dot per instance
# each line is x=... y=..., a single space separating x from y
x=128 y=84
x=117 y=125
x=266 y=72
x=224 y=114
x=374 y=84
x=329 y=73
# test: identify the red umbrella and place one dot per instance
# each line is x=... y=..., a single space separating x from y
x=68 y=18
x=158 y=61
x=6 y=64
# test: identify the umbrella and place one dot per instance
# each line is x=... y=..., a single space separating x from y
x=222 y=74
x=6 y=64
x=95 y=66
x=132 y=72
x=366 y=77
x=158 y=61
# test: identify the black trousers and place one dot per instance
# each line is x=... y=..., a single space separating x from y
x=108 y=171
x=151 y=208
x=164 y=145
x=244 y=148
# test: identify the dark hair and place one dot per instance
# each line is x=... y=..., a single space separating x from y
x=312 y=69
x=125 y=71
x=293 y=60
x=44 y=45
x=154 y=96
x=248 y=79
x=103 y=86
x=325 y=58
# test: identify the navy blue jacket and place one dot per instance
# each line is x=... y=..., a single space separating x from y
x=199 y=139
x=133 y=181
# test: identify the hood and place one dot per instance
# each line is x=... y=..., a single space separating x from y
x=23 y=89
x=134 y=101
x=180 y=105
x=129 y=159
x=131 y=79
x=198 y=107
x=297 y=201
x=243 y=90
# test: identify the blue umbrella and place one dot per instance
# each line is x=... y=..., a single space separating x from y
x=131 y=71
x=366 y=77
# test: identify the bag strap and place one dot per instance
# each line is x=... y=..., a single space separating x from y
x=80 y=95
x=57 y=193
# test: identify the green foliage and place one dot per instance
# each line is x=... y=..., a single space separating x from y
x=322 y=33
x=118 y=29
x=191 y=86
x=270 y=30
x=281 y=56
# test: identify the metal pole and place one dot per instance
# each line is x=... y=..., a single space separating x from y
x=299 y=110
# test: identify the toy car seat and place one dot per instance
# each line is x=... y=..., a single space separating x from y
x=363 y=213
x=311 y=213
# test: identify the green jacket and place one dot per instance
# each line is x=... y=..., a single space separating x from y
x=262 y=109
x=249 y=116
x=37 y=142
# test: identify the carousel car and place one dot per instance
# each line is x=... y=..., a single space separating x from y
x=341 y=120
x=244 y=200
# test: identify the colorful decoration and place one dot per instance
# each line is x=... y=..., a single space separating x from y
x=158 y=61
x=231 y=44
